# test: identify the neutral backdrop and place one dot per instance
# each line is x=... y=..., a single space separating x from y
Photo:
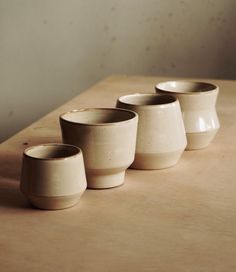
x=50 y=50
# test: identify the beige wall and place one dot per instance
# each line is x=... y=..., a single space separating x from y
x=50 y=50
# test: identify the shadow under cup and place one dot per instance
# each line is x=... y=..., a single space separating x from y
x=161 y=136
x=107 y=137
x=53 y=176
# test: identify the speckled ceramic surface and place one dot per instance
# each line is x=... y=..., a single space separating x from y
x=107 y=138
x=53 y=175
x=161 y=136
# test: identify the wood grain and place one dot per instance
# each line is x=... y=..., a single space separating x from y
x=178 y=219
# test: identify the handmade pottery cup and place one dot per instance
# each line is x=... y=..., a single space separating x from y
x=53 y=176
x=107 y=137
x=161 y=136
x=197 y=101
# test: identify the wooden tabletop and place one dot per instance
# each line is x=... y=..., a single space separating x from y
x=178 y=219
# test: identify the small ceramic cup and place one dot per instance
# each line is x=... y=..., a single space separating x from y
x=161 y=136
x=107 y=137
x=53 y=176
x=197 y=101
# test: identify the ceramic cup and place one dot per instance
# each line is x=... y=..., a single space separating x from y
x=161 y=136
x=197 y=101
x=53 y=175
x=107 y=138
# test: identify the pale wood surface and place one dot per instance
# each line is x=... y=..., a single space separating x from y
x=178 y=219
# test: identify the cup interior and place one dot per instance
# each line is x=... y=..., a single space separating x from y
x=147 y=99
x=51 y=151
x=98 y=116
x=185 y=87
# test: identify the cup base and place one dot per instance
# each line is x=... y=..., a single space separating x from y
x=105 y=181
x=156 y=161
x=200 y=140
x=53 y=202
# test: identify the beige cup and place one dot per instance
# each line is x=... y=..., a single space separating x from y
x=107 y=138
x=53 y=175
x=197 y=101
x=161 y=136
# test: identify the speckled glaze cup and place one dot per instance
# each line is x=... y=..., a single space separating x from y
x=53 y=176
x=197 y=101
x=107 y=138
x=161 y=136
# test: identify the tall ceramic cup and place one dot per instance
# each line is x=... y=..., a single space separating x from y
x=197 y=101
x=161 y=136
x=107 y=138
x=53 y=176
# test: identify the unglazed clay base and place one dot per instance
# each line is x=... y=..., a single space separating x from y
x=107 y=137
x=156 y=161
x=105 y=179
x=200 y=140
x=161 y=136
x=198 y=106
x=53 y=203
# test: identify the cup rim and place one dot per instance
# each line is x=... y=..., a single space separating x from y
x=175 y=100
x=76 y=149
x=161 y=87
x=134 y=116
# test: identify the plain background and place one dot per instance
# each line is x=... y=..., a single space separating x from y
x=50 y=50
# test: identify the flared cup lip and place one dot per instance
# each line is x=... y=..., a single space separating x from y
x=75 y=151
x=133 y=115
x=127 y=100
x=202 y=87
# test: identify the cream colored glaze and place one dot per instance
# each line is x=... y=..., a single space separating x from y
x=53 y=171
x=53 y=202
x=197 y=101
x=107 y=138
x=177 y=219
x=161 y=136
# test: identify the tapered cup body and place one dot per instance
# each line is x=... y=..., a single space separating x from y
x=53 y=175
x=107 y=138
x=161 y=136
x=198 y=106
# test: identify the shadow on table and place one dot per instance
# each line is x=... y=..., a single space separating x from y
x=10 y=167
x=10 y=195
x=11 y=160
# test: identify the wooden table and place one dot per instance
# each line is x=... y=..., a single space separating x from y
x=178 y=219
